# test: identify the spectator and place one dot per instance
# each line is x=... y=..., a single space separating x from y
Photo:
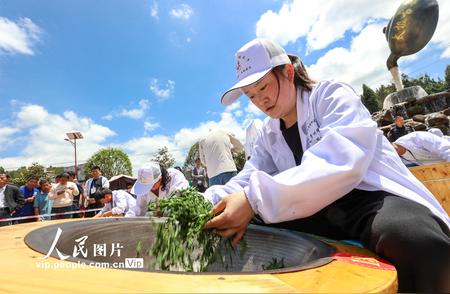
x=199 y=176
x=42 y=204
x=10 y=200
x=77 y=198
x=154 y=181
x=251 y=134
x=29 y=192
x=420 y=148
x=94 y=185
x=399 y=129
x=62 y=196
x=216 y=152
x=116 y=203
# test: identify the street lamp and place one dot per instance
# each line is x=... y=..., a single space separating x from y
x=74 y=136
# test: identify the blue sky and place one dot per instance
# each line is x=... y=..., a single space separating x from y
x=140 y=75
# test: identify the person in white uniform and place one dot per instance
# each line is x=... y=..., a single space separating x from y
x=322 y=166
x=115 y=203
x=420 y=148
x=251 y=134
x=154 y=181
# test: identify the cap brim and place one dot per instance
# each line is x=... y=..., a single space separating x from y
x=140 y=189
x=234 y=92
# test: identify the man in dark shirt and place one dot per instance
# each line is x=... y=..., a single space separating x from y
x=29 y=192
x=10 y=200
x=399 y=129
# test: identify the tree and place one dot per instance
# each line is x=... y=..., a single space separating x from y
x=54 y=171
x=20 y=176
x=369 y=99
x=2 y=170
x=189 y=162
x=429 y=84
x=239 y=160
x=447 y=77
x=112 y=162
x=164 y=157
x=383 y=91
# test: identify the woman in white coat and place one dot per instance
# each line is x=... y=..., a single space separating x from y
x=154 y=181
x=321 y=166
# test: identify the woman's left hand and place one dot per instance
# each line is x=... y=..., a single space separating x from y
x=234 y=214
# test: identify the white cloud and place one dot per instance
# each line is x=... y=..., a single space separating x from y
x=18 y=37
x=162 y=93
x=321 y=22
x=233 y=119
x=150 y=126
x=324 y=22
x=108 y=117
x=133 y=113
x=252 y=109
x=363 y=62
x=183 y=12
x=6 y=138
x=43 y=134
x=154 y=10
x=441 y=36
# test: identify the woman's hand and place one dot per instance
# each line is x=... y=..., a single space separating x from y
x=233 y=215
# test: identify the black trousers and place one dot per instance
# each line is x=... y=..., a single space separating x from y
x=401 y=231
x=4 y=213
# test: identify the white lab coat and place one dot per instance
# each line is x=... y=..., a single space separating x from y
x=177 y=182
x=343 y=150
x=122 y=202
x=424 y=148
x=251 y=134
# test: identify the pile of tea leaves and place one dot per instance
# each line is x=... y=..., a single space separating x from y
x=182 y=242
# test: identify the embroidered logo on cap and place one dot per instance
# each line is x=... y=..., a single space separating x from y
x=239 y=68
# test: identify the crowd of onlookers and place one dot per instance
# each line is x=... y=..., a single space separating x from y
x=40 y=199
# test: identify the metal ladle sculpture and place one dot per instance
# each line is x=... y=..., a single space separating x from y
x=408 y=31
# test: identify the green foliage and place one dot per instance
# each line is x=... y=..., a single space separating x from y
x=54 y=171
x=20 y=176
x=2 y=170
x=447 y=77
x=274 y=264
x=181 y=241
x=239 y=160
x=164 y=157
x=189 y=162
x=369 y=99
x=383 y=91
x=112 y=161
x=429 y=84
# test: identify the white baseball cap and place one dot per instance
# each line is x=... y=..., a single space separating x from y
x=436 y=131
x=253 y=61
x=148 y=175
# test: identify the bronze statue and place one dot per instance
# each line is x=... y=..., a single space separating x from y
x=409 y=30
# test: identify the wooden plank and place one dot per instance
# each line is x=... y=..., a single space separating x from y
x=431 y=171
x=436 y=177
x=21 y=274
